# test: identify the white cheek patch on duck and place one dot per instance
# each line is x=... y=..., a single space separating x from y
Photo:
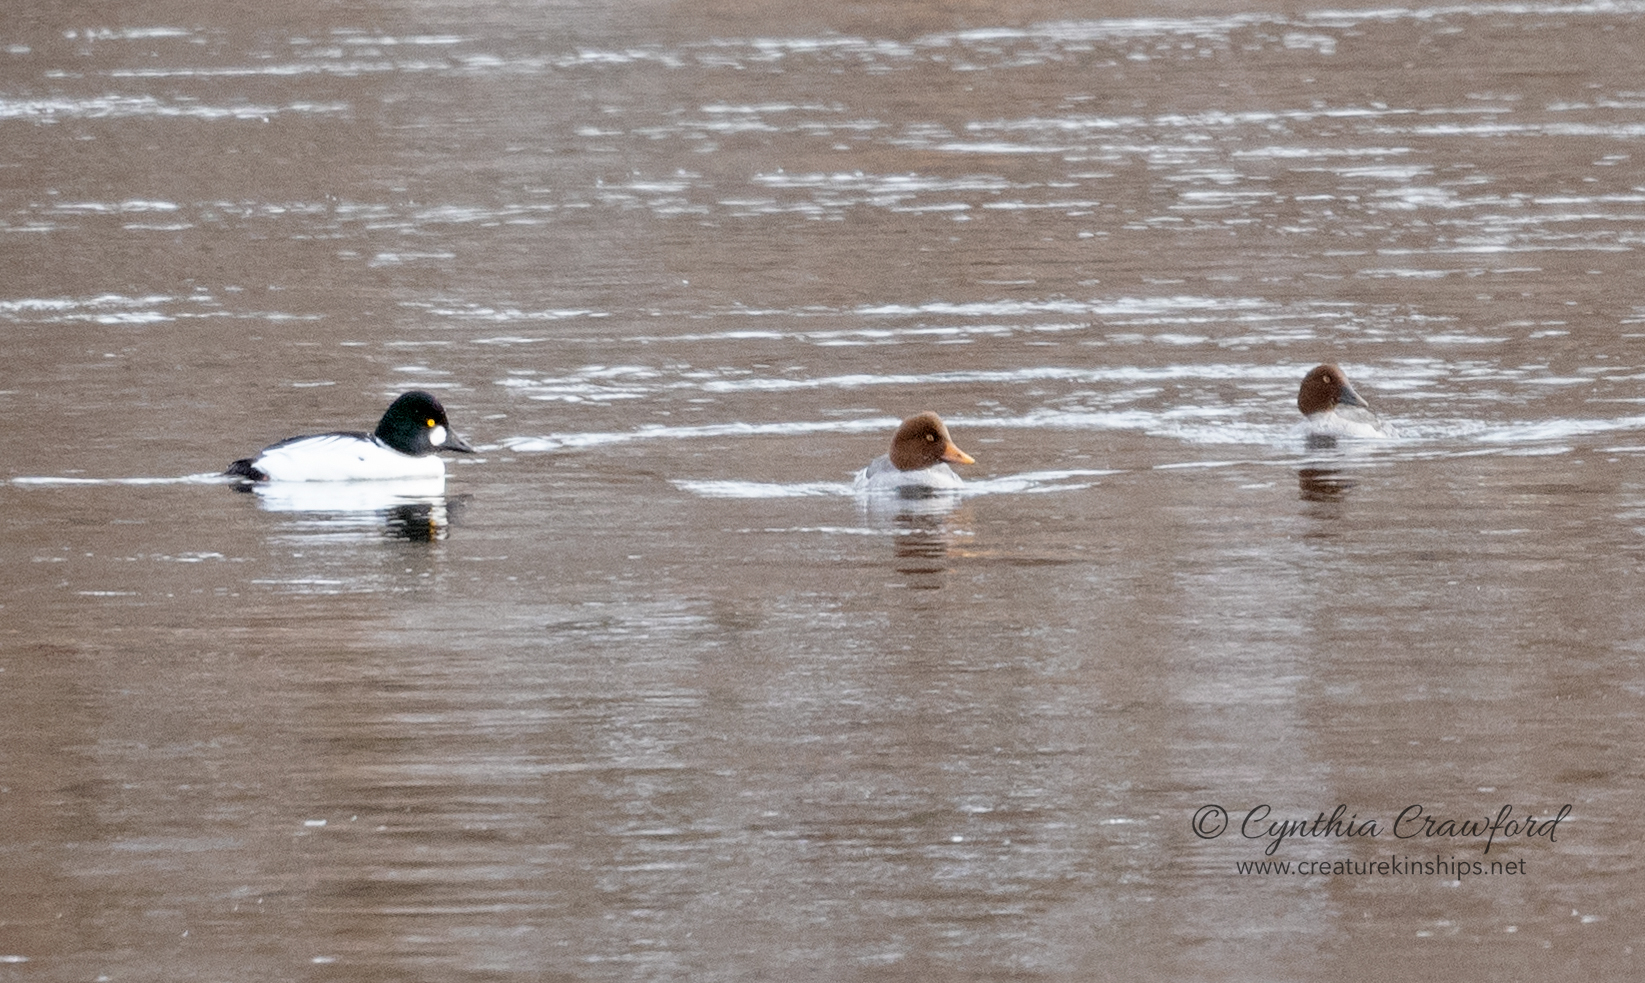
x=437 y=436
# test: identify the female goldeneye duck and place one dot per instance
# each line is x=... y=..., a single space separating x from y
x=1333 y=409
x=402 y=446
x=918 y=462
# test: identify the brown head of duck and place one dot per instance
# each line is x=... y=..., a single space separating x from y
x=922 y=441
x=1324 y=389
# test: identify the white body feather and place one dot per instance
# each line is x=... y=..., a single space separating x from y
x=883 y=476
x=1346 y=421
x=343 y=457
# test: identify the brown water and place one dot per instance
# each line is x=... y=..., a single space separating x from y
x=645 y=693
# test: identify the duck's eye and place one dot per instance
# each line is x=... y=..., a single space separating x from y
x=432 y=424
x=930 y=438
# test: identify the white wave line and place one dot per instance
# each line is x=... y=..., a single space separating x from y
x=210 y=478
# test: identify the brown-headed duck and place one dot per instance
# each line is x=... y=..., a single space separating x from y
x=1334 y=409
x=920 y=454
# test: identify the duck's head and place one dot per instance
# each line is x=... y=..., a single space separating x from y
x=1324 y=389
x=416 y=424
x=923 y=441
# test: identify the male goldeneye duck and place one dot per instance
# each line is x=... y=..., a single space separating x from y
x=402 y=446
x=1333 y=409
x=918 y=462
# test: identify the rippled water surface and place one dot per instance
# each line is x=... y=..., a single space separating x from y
x=642 y=691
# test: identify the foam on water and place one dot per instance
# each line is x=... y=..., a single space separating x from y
x=46 y=481
x=1546 y=431
x=1035 y=482
x=758 y=489
x=1029 y=482
x=1193 y=426
x=51 y=110
x=563 y=441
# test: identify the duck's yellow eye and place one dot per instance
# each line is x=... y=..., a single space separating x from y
x=930 y=438
x=431 y=424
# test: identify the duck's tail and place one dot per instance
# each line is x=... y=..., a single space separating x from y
x=246 y=468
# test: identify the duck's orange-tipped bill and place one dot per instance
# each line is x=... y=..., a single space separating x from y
x=957 y=456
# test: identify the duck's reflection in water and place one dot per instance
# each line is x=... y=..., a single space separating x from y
x=1325 y=492
x=422 y=522
x=417 y=510
x=927 y=528
x=1322 y=484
